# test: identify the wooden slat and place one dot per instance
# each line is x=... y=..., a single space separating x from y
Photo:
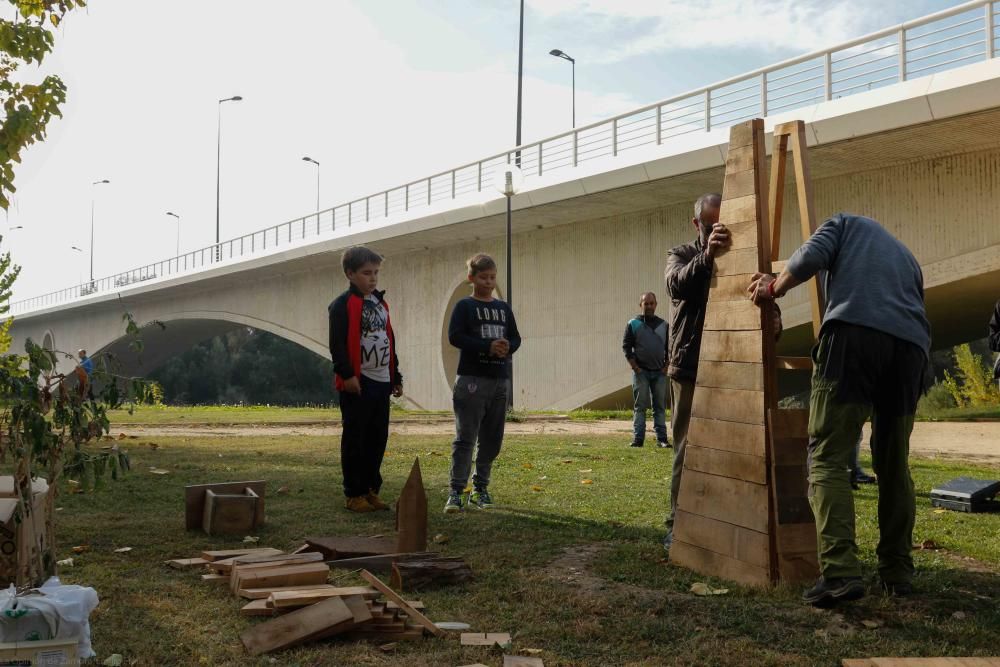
x=779 y=155
x=181 y=563
x=789 y=451
x=734 y=405
x=778 y=265
x=726 y=464
x=740 y=159
x=729 y=500
x=730 y=288
x=291 y=575
x=796 y=538
x=732 y=316
x=313 y=622
x=739 y=346
x=807 y=216
x=390 y=594
x=717 y=565
x=194 y=500
x=794 y=363
x=739 y=184
x=797 y=568
x=739 y=209
x=789 y=423
x=731 y=262
x=722 y=538
x=256 y=608
x=382 y=563
x=352 y=547
x=280 y=599
x=743 y=235
x=230 y=553
x=730 y=436
x=730 y=375
x=264 y=593
x=740 y=135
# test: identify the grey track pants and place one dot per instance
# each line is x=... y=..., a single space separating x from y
x=480 y=413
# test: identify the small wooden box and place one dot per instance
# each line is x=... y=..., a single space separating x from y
x=229 y=513
x=52 y=652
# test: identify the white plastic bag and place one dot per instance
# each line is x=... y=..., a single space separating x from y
x=65 y=609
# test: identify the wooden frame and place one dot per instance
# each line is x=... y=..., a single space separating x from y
x=194 y=500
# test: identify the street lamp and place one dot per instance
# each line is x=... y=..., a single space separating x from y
x=565 y=56
x=520 y=76
x=101 y=182
x=508 y=181
x=309 y=159
x=17 y=227
x=174 y=215
x=218 y=173
x=79 y=250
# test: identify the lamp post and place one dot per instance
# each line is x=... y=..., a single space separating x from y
x=520 y=76
x=218 y=173
x=177 y=253
x=309 y=159
x=79 y=250
x=565 y=56
x=101 y=182
x=509 y=180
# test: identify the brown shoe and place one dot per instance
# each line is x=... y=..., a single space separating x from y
x=375 y=501
x=358 y=504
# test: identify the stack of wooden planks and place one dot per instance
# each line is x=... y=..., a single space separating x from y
x=742 y=512
x=291 y=589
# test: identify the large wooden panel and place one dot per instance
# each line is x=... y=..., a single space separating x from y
x=743 y=235
x=796 y=538
x=717 y=565
x=726 y=464
x=739 y=209
x=730 y=288
x=740 y=159
x=732 y=316
x=731 y=375
x=723 y=538
x=742 y=346
x=730 y=436
x=739 y=184
x=730 y=500
x=797 y=567
x=194 y=500
x=734 y=405
x=789 y=423
x=789 y=451
x=732 y=262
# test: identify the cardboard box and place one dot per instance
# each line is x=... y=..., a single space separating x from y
x=16 y=537
x=49 y=653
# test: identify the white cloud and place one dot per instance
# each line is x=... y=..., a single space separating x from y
x=656 y=26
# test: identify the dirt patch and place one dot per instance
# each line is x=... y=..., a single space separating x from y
x=574 y=570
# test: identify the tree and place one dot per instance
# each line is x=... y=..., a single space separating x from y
x=27 y=107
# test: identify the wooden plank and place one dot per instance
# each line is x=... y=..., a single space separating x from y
x=796 y=538
x=215 y=578
x=779 y=155
x=416 y=604
x=730 y=436
x=380 y=563
x=522 y=661
x=716 y=565
x=484 y=638
x=740 y=159
x=298 y=626
x=194 y=500
x=790 y=451
x=262 y=560
x=256 y=608
x=410 y=634
x=734 y=405
x=410 y=611
x=731 y=375
x=739 y=209
x=794 y=363
x=762 y=214
x=264 y=593
x=856 y=662
x=729 y=500
x=743 y=235
x=352 y=547
x=730 y=262
x=778 y=265
x=726 y=464
x=807 y=216
x=230 y=553
x=736 y=542
x=740 y=135
x=739 y=184
x=740 y=346
x=182 y=563
x=730 y=288
x=788 y=423
x=291 y=575
x=732 y=316
x=280 y=599
x=239 y=569
x=411 y=513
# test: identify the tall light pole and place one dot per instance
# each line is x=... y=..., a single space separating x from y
x=309 y=159
x=520 y=76
x=565 y=56
x=508 y=183
x=177 y=253
x=218 y=173
x=101 y=182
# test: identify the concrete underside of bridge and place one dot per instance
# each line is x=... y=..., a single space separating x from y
x=580 y=263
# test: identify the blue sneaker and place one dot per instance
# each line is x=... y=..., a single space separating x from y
x=454 y=503
x=481 y=499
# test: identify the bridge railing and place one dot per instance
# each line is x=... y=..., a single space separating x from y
x=961 y=35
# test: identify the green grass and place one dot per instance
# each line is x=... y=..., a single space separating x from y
x=960 y=414
x=218 y=415
x=634 y=609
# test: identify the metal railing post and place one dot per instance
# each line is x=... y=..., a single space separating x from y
x=539 y=158
x=387 y=203
x=708 y=110
x=902 y=54
x=333 y=225
x=828 y=76
x=659 y=125
x=989 y=34
x=614 y=137
x=763 y=93
x=479 y=177
x=367 y=210
x=576 y=142
x=452 y=183
x=406 y=197
x=350 y=214
x=428 y=191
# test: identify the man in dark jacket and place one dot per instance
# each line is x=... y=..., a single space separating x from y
x=688 y=276
x=645 y=347
x=995 y=340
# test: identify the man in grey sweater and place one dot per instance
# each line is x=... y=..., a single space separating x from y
x=870 y=361
x=645 y=347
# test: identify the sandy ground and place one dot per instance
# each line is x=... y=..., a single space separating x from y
x=970 y=441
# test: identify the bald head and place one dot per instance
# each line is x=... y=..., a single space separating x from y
x=648 y=304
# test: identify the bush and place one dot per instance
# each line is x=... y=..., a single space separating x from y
x=972 y=385
x=937 y=399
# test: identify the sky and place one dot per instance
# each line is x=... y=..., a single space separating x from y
x=380 y=92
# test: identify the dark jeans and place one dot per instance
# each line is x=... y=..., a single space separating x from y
x=649 y=388
x=480 y=415
x=366 y=430
x=681 y=398
x=860 y=373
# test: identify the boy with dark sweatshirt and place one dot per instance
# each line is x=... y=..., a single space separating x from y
x=483 y=328
x=366 y=372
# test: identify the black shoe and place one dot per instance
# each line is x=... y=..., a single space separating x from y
x=668 y=541
x=900 y=589
x=859 y=476
x=828 y=592
x=663 y=443
x=635 y=444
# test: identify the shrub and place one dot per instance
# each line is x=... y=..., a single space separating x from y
x=972 y=385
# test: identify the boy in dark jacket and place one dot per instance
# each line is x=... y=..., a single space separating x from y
x=366 y=373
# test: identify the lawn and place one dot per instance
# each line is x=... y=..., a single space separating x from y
x=574 y=569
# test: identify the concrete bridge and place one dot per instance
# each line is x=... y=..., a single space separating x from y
x=914 y=143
